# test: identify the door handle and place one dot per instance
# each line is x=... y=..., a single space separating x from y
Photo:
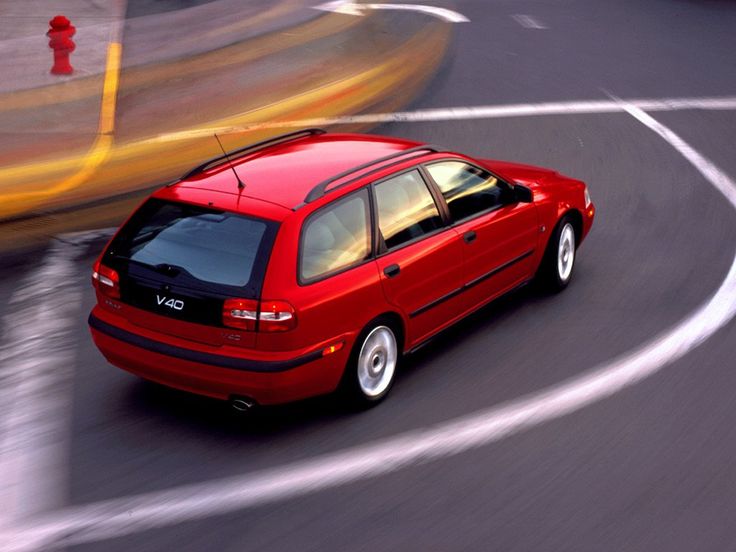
x=470 y=236
x=392 y=270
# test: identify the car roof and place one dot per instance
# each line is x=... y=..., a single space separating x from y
x=285 y=173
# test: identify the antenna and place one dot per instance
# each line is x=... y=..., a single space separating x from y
x=240 y=182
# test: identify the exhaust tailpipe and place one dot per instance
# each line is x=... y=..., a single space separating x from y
x=242 y=404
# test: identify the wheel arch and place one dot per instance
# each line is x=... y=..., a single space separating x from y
x=576 y=217
x=397 y=323
x=564 y=211
x=349 y=385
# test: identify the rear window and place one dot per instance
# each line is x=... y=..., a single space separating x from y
x=200 y=244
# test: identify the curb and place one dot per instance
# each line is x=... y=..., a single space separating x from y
x=81 y=85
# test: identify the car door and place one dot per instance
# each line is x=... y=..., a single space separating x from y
x=420 y=257
x=499 y=234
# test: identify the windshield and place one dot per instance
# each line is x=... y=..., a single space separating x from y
x=215 y=247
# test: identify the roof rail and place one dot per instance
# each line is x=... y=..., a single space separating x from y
x=281 y=138
x=321 y=189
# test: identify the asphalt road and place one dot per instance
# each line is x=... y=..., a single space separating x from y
x=650 y=468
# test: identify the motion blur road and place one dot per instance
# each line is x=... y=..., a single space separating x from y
x=649 y=468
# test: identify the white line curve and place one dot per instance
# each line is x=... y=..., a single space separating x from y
x=463 y=113
x=122 y=516
x=349 y=7
x=38 y=357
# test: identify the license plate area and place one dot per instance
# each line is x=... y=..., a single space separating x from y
x=172 y=302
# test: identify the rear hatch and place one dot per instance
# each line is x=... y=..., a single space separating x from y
x=178 y=263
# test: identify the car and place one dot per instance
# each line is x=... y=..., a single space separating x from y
x=312 y=262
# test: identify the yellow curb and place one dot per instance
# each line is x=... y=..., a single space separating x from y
x=110 y=88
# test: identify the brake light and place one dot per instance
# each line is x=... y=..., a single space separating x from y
x=274 y=316
x=240 y=313
x=106 y=280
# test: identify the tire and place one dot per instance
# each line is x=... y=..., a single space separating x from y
x=558 y=262
x=371 y=368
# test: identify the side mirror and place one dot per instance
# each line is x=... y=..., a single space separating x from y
x=522 y=194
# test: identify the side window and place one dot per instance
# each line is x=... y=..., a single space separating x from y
x=467 y=189
x=406 y=209
x=336 y=237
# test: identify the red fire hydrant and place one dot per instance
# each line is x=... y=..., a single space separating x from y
x=60 y=35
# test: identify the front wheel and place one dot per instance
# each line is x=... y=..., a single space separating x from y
x=555 y=271
x=371 y=369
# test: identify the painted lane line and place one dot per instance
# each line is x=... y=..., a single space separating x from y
x=710 y=171
x=440 y=13
x=348 y=7
x=35 y=379
x=118 y=517
x=522 y=110
x=527 y=21
x=467 y=113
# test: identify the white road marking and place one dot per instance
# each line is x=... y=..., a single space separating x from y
x=122 y=516
x=710 y=171
x=469 y=113
x=35 y=386
x=349 y=7
x=528 y=21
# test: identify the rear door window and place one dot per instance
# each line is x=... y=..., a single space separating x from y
x=336 y=237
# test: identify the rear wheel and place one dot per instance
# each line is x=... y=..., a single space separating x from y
x=371 y=370
x=557 y=265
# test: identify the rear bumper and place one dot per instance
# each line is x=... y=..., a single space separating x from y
x=216 y=375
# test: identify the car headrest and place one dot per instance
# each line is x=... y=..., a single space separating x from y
x=319 y=237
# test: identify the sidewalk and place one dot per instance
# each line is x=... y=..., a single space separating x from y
x=25 y=56
x=39 y=124
x=156 y=38
x=42 y=115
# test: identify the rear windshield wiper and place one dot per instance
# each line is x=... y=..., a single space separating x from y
x=166 y=269
x=179 y=274
x=169 y=269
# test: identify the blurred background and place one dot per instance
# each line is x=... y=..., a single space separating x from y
x=93 y=458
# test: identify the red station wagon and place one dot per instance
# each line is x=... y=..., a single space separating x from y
x=312 y=261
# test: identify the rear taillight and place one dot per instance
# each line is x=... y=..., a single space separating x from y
x=106 y=280
x=240 y=313
x=274 y=316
